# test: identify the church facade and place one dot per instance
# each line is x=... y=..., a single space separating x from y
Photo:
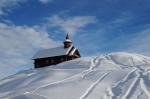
x=56 y=55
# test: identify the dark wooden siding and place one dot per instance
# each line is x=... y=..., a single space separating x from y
x=43 y=62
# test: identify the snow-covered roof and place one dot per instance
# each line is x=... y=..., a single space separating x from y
x=54 y=52
x=68 y=40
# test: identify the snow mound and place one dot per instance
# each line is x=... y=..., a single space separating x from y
x=118 y=75
x=128 y=59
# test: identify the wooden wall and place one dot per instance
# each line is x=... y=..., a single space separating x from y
x=43 y=62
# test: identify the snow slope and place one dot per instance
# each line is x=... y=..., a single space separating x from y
x=114 y=76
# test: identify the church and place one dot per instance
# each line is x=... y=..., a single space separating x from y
x=53 y=56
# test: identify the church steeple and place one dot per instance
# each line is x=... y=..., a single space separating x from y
x=67 y=42
x=67 y=36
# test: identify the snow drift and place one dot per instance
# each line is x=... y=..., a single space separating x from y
x=113 y=76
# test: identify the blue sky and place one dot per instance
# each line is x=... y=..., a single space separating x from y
x=95 y=26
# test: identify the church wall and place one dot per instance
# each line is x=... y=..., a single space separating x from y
x=43 y=62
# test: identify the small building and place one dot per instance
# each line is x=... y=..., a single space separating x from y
x=56 y=55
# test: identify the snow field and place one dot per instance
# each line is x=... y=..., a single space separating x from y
x=113 y=76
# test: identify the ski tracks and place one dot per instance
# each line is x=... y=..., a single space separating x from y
x=82 y=74
x=91 y=88
x=137 y=80
x=94 y=63
x=144 y=88
x=42 y=96
x=116 y=88
x=132 y=87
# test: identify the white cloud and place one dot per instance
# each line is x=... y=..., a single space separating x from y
x=70 y=24
x=45 y=1
x=18 y=44
x=7 y=5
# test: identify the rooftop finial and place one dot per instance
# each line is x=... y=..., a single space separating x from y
x=67 y=36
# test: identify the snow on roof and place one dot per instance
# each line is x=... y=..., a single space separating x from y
x=68 y=40
x=72 y=51
x=52 y=52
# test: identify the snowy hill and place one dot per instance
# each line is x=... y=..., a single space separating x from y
x=113 y=76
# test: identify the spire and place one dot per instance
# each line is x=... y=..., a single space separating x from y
x=67 y=42
x=67 y=38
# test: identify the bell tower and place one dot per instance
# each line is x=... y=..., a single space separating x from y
x=67 y=42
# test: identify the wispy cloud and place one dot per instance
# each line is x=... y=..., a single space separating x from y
x=113 y=36
x=70 y=24
x=45 y=1
x=122 y=19
x=18 y=44
x=7 y=5
x=140 y=42
x=137 y=42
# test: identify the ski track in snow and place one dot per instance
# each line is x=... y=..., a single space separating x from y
x=27 y=93
x=132 y=86
x=138 y=70
x=91 y=88
x=94 y=63
x=134 y=83
x=83 y=74
x=119 y=84
x=143 y=87
x=86 y=72
x=138 y=96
